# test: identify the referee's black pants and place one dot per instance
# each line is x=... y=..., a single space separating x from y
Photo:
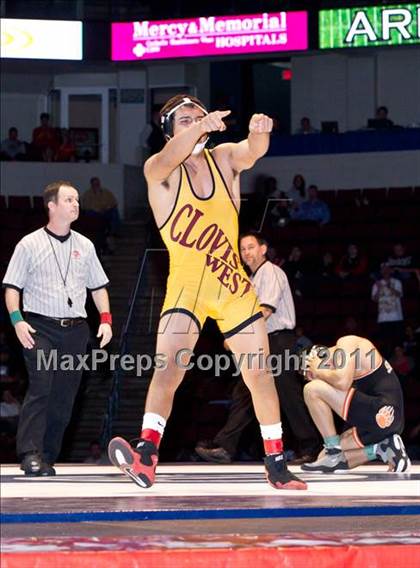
x=48 y=403
x=241 y=414
x=289 y=386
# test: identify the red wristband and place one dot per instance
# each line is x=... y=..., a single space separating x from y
x=106 y=317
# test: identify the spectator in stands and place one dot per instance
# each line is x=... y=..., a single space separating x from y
x=387 y=293
x=297 y=269
x=382 y=118
x=297 y=191
x=353 y=263
x=266 y=212
x=402 y=364
x=313 y=209
x=326 y=266
x=401 y=262
x=97 y=455
x=279 y=214
x=13 y=149
x=306 y=126
x=44 y=140
x=101 y=202
x=66 y=151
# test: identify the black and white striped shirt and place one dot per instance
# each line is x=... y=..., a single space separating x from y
x=34 y=268
x=273 y=291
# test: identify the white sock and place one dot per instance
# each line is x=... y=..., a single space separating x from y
x=152 y=421
x=271 y=431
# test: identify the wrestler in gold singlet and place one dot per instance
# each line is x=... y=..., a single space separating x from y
x=206 y=278
x=199 y=225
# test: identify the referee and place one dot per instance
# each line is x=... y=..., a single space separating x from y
x=278 y=309
x=53 y=267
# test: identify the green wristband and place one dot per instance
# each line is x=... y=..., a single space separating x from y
x=16 y=317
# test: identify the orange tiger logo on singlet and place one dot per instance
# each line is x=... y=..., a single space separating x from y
x=385 y=416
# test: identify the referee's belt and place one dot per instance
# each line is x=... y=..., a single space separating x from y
x=62 y=322
x=278 y=331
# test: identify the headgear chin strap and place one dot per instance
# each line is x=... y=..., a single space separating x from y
x=166 y=122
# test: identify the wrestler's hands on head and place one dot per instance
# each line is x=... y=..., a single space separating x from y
x=313 y=362
x=213 y=121
x=308 y=373
x=260 y=124
x=312 y=365
x=316 y=360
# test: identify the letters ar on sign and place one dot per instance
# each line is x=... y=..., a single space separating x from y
x=369 y=26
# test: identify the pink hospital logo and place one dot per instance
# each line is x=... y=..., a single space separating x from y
x=76 y=254
x=213 y=35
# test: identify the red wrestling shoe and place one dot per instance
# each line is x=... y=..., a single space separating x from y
x=139 y=464
x=278 y=476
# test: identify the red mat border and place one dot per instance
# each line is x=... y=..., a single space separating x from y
x=383 y=556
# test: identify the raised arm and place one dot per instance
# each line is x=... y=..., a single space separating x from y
x=180 y=146
x=244 y=154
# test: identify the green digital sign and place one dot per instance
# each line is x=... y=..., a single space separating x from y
x=369 y=26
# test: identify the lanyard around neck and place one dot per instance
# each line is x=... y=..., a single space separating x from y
x=63 y=278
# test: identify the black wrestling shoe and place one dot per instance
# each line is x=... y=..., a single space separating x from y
x=139 y=464
x=46 y=470
x=278 y=476
x=31 y=464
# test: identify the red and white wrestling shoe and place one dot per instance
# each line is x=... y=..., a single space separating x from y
x=139 y=464
x=278 y=476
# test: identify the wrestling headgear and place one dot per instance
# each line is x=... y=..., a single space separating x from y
x=307 y=352
x=166 y=120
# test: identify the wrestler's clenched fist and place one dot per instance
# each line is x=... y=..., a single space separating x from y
x=260 y=124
